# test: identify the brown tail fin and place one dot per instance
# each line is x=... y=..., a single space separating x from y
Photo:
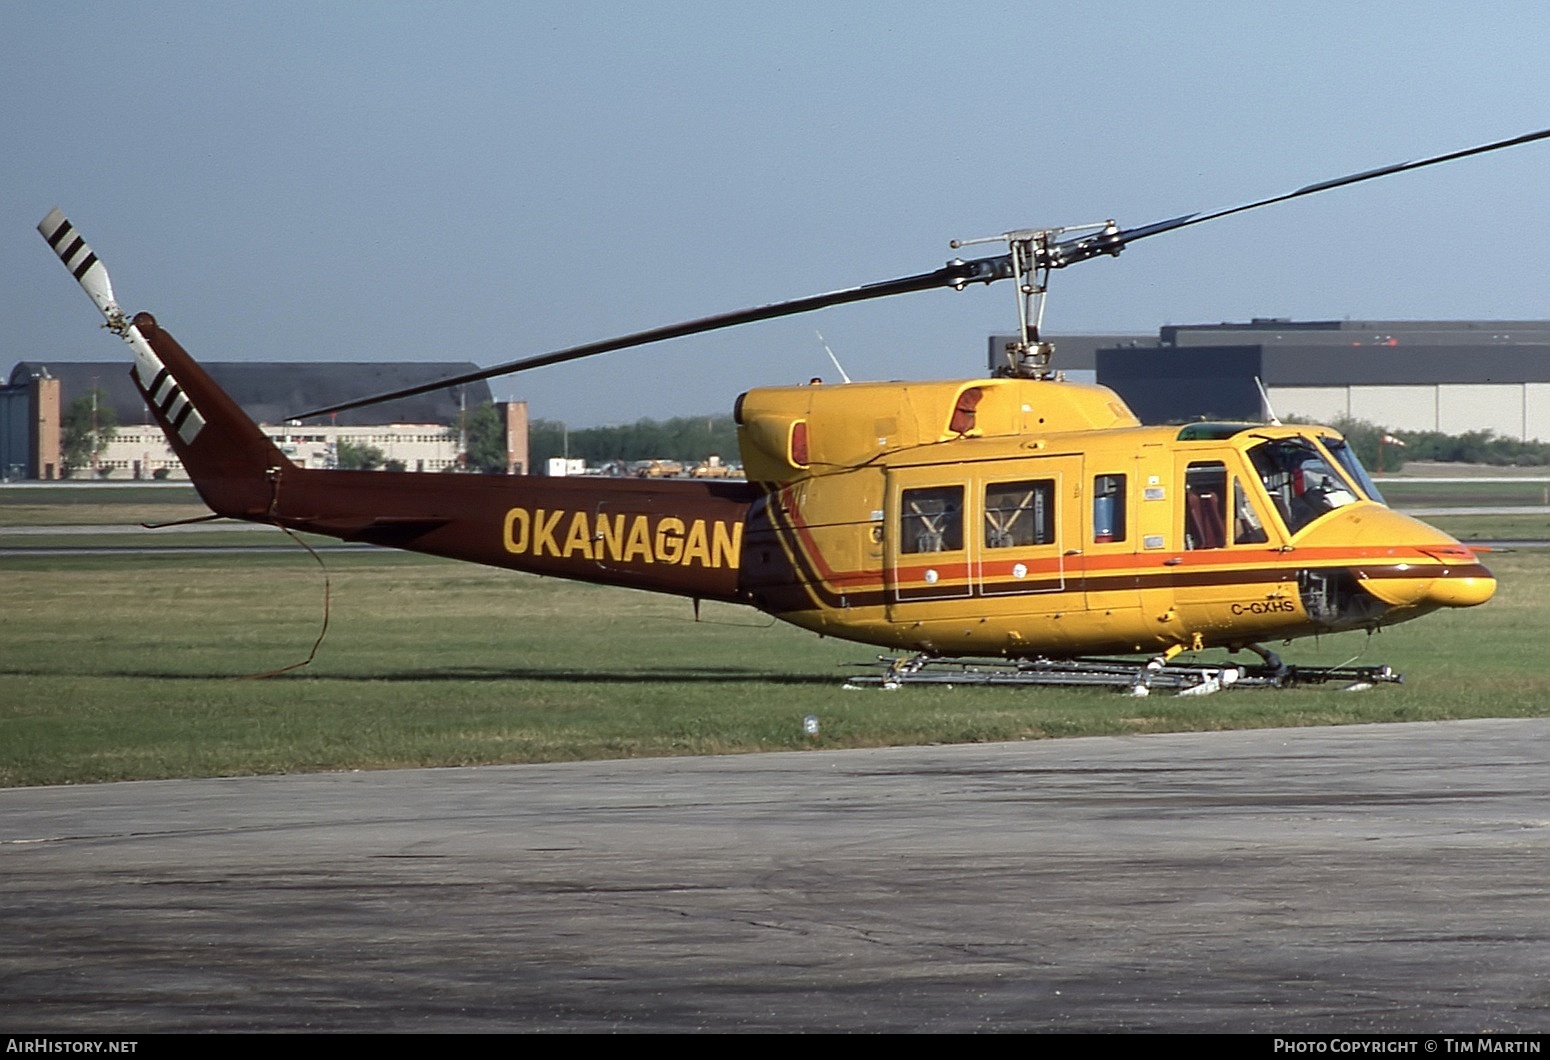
x=232 y=463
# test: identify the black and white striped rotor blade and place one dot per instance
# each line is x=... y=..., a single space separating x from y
x=92 y=275
x=83 y=264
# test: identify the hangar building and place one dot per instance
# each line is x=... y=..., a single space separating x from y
x=1432 y=375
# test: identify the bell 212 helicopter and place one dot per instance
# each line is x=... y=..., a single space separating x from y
x=1012 y=529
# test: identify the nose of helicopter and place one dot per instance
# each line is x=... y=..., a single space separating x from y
x=1408 y=564
x=1452 y=578
x=1461 y=588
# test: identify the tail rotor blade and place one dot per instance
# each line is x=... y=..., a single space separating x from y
x=83 y=264
x=92 y=275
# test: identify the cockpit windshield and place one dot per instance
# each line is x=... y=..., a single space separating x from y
x=1342 y=451
x=1301 y=483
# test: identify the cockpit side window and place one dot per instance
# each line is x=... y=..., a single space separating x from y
x=1246 y=527
x=1302 y=485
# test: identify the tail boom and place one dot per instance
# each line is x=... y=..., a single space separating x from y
x=679 y=537
x=684 y=538
x=676 y=537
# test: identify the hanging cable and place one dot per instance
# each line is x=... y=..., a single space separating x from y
x=327 y=592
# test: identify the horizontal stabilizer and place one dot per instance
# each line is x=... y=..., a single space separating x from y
x=389 y=531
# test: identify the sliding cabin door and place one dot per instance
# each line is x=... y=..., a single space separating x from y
x=978 y=540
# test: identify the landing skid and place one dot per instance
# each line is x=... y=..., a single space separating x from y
x=1136 y=677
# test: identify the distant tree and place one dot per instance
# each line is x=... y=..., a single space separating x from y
x=85 y=430
x=1475 y=447
x=688 y=439
x=1471 y=447
x=485 y=449
x=395 y=465
x=353 y=457
x=1367 y=440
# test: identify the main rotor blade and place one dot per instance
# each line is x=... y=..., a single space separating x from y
x=956 y=274
x=1074 y=250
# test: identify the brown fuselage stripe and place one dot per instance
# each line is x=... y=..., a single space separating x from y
x=820 y=593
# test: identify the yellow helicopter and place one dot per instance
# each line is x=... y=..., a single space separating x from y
x=1013 y=529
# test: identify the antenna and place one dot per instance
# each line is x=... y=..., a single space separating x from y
x=837 y=366
x=1264 y=397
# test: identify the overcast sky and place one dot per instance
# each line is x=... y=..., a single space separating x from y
x=485 y=181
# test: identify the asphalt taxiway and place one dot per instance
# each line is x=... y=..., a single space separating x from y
x=1367 y=878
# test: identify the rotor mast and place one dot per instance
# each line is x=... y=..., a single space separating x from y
x=1033 y=255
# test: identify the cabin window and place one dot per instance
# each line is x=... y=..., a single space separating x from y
x=1108 y=508
x=1019 y=514
x=1205 y=505
x=932 y=520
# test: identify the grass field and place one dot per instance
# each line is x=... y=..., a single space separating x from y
x=1421 y=492
x=133 y=666
x=83 y=504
